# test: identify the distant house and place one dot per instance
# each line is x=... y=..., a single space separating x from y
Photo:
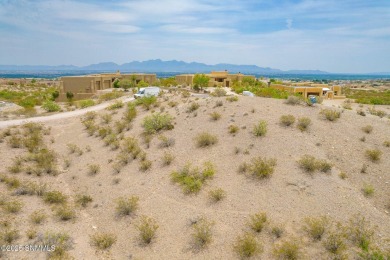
x=217 y=78
x=307 y=89
x=86 y=86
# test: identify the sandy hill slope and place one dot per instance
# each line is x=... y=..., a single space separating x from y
x=288 y=196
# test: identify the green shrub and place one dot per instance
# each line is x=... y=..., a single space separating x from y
x=147 y=229
x=15 y=141
x=259 y=167
x=116 y=105
x=62 y=241
x=233 y=129
x=54 y=197
x=334 y=243
x=374 y=155
x=386 y=143
x=126 y=206
x=106 y=118
x=146 y=102
x=343 y=175
x=110 y=96
x=360 y=232
x=130 y=113
x=86 y=103
x=287 y=120
x=38 y=217
x=368 y=190
x=157 y=122
x=330 y=114
x=232 y=98
x=9 y=235
x=277 y=231
x=145 y=165
x=367 y=129
x=51 y=106
x=258 y=221
x=246 y=246
x=202 y=234
x=13 y=206
x=192 y=107
x=65 y=213
x=310 y=164
x=293 y=100
x=167 y=158
x=31 y=233
x=260 y=129
x=103 y=241
x=290 y=250
x=217 y=194
x=192 y=179
x=303 y=123
x=219 y=92
x=83 y=200
x=215 y=116
x=376 y=112
x=316 y=227
x=93 y=169
x=205 y=139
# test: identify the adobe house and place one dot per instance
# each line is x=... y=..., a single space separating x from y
x=321 y=90
x=86 y=86
x=217 y=78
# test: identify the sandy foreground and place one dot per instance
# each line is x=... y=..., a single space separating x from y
x=287 y=197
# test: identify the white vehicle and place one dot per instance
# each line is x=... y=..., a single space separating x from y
x=248 y=93
x=147 y=92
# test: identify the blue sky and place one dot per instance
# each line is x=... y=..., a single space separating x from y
x=330 y=35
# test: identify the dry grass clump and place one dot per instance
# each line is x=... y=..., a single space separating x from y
x=215 y=116
x=258 y=221
x=233 y=129
x=316 y=227
x=330 y=114
x=303 y=123
x=288 y=249
x=259 y=167
x=116 y=105
x=293 y=100
x=360 y=232
x=202 y=235
x=157 y=122
x=310 y=164
x=130 y=113
x=335 y=243
x=106 y=118
x=83 y=200
x=9 y=235
x=38 y=217
x=147 y=229
x=192 y=178
x=172 y=103
x=205 y=139
x=246 y=246
x=12 y=206
x=147 y=102
x=386 y=143
x=31 y=233
x=125 y=206
x=374 y=155
x=368 y=190
x=93 y=169
x=54 y=197
x=218 y=103
x=367 y=129
x=287 y=120
x=73 y=148
x=103 y=241
x=219 y=92
x=166 y=141
x=65 y=213
x=145 y=165
x=62 y=241
x=232 y=98
x=217 y=195
x=167 y=158
x=192 y=107
x=277 y=231
x=260 y=129
x=343 y=175
x=376 y=112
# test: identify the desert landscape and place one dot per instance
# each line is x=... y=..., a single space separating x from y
x=186 y=176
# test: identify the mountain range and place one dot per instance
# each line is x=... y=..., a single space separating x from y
x=159 y=66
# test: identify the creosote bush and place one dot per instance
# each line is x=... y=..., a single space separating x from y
x=310 y=164
x=303 y=123
x=167 y=158
x=330 y=114
x=315 y=227
x=202 y=234
x=215 y=116
x=233 y=129
x=125 y=206
x=259 y=167
x=360 y=232
x=103 y=241
x=192 y=107
x=54 y=197
x=247 y=246
x=260 y=129
x=205 y=139
x=157 y=122
x=217 y=195
x=192 y=178
x=287 y=120
x=65 y=213
x=145 y=165
x=368 y=190
x=374 y=155
x=38 y=217
x=93 y=169
x=83 y=200
x=288 y=249
x=147 y=229
x=258 y=221
x=147 y=102
x=232 y=98
x=335 y=243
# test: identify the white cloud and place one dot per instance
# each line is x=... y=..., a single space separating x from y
x=289 y=23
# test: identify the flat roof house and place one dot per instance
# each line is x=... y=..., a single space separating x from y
x=217 y=78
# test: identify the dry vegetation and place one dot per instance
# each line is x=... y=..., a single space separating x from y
x=182 y=177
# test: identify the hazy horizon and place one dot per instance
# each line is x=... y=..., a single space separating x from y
x=351 y=36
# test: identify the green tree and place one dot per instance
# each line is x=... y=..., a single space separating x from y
x=142 y=84
x=116 y=83
x=201 y=81
x=69 y=96
x=55 y=95
x=128 y=83
x=168 y=82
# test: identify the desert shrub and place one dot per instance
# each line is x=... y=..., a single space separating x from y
x=120 y=126
x=13 y=206
x=219 y=92
x=9 y=235
x=215 y=116
x=32 y=188
x=290 y=250
x=277 y=231
x=129 y=147
x=287 y=120
x=106 y=118
x=368 y=190
x=330 y=114
x=146 y=102
x=233 y=129
x=38 y=217
x=172 y=103
x=103 y=241
x=374 y=155
x=334 y=243
x=218 y=103
x=104 y=131
x=65 y=213
x=45 y=160
x=386 y=143
x=91 y=115
x=157 y=122
x=217 y=195
x=116 y=105
x=54 y=197
x=246 y=246
x=303 y=123
x=130 y=113
x=316 y=227
x=51 y=106
x=191 y=179
x=202 y=234
x=192 y=107
x=324 y=166
x=360 y=112
x=360 y=232
x=376 y=112
x=258 y=167
x=62 y=241
x=86 y=103
x=232 y=98
x=110 y=95
x=93 y=169
x=364 y=168
x=343 y=175
x=31 y=233
x=166 y=141
x=83 y=200
x=167 y=158
x=260 y=129
x=110 y=139
x=205 y=139
x=73 y=148
x=367 y=129
x=125 y=206
x=15 y=141
x=145 y=165
x=147 y=229
x=310 y=164
x=258 y=221
x=293 y=100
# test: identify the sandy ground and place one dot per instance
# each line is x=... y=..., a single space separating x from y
x=288 y=196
